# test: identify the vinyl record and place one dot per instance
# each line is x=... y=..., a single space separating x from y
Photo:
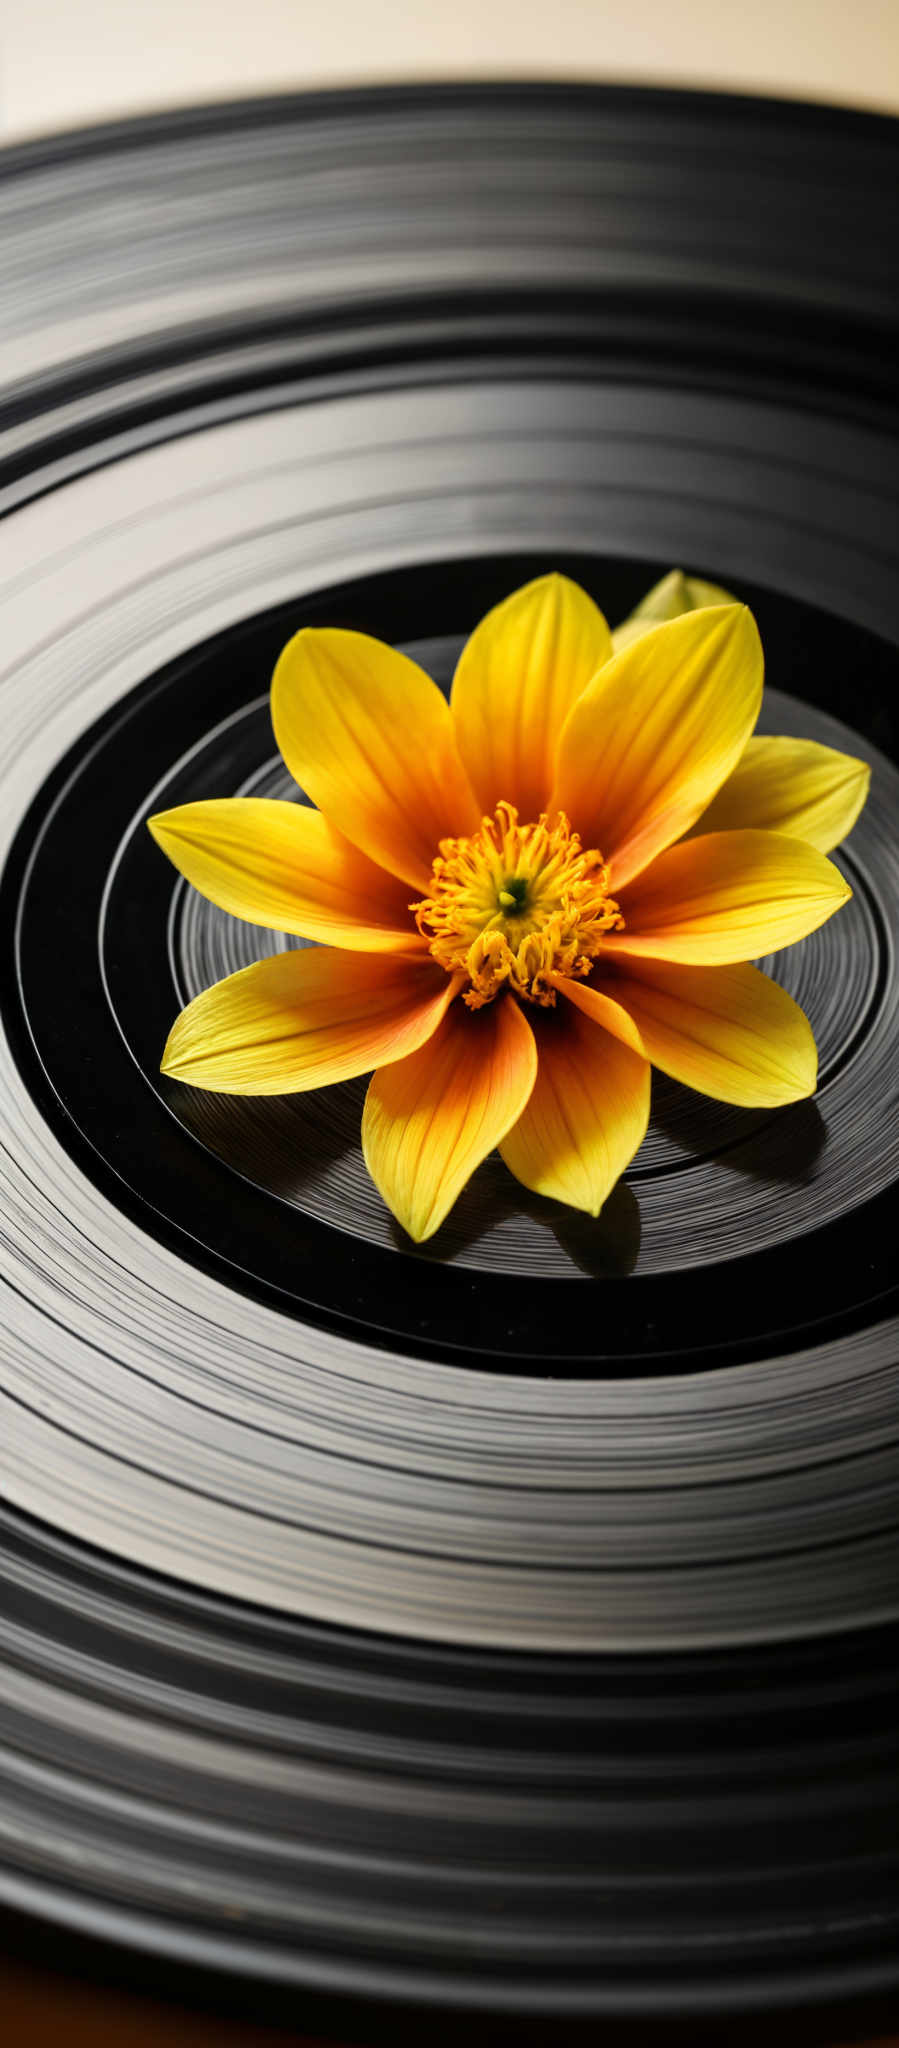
x=508 y=1623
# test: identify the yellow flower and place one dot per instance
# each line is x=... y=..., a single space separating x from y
x=522 y=897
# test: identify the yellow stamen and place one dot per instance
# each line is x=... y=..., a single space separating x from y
x=514 y=904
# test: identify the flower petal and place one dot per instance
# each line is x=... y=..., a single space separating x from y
x=602 y=1005
x=729 y=896
x=587 y=1115
x=652 y=738
x=303 y=1019
x=429 y=1121
x=729 y=1032
x=676 y=593
x=808 y=791
x=517 y=678
x=284 y=866
x=370 y=739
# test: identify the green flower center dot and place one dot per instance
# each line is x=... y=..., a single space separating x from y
x=514 y=895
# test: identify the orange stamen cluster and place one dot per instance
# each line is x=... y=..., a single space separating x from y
x=514 y=906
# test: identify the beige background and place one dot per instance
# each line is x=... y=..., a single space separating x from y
x=65 y=61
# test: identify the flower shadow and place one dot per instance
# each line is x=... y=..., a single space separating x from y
x=282 y=1144
x=779 y=1146
x=305 y=1151
x=602 y=1247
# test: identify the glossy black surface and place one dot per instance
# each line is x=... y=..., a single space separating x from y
x=108 y=927
x=566 y=1685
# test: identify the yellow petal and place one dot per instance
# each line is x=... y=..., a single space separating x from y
x=729 y=896
x=587 y=1115
x=306 y=1018
x=676 y=593
x=516 y=681
x=601 y=1004
x=283 y=866
x=431 y=1120
x=794 y=786
x=652 y=738
x=370 y=739
x=727 y=1031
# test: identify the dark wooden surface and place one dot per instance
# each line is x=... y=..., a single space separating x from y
x=46 y=2005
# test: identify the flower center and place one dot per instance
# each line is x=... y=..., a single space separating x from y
x=514 y=904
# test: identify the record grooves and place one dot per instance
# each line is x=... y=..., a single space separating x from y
x=510 y=1625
